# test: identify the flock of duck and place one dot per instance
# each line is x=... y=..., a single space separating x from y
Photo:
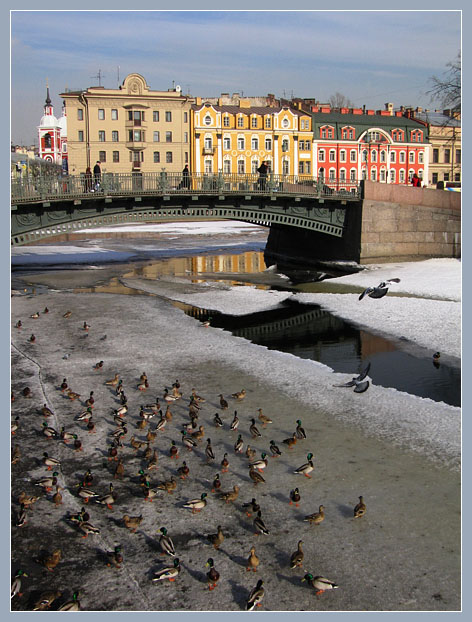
x=132 y=439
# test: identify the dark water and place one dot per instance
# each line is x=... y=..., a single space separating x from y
x=309 y=332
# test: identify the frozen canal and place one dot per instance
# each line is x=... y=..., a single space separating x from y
x=401 y=452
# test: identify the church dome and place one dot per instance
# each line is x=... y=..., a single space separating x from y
x=62 y=124
x=48 y=120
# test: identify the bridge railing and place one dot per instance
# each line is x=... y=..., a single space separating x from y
x=162 y=183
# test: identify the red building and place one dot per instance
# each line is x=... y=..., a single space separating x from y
x=352 y=144
x=52 y=135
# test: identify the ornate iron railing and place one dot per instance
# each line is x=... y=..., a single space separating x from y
x=40 y=189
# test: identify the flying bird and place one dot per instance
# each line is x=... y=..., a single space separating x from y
x=359 y=383
x=379 y=291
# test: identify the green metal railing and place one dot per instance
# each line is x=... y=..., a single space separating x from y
x=49 y=188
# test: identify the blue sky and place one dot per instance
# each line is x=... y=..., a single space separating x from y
x=371 y=57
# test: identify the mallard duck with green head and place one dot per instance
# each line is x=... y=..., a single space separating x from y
x=306 y=468
x=255 y=596
x=16 y=583
x=165 y=543
x=197 y=505
x=170 y=573
x=213 y=575
x=319 y=583
x=71 y=605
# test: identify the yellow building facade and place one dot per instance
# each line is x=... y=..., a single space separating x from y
x=132 y=129
x=237 y=139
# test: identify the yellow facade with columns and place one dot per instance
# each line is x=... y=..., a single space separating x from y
x=237 y=139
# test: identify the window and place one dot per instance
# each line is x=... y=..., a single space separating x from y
x=373 y=174
x=352 y=174
x=80 y=136
x=226 y=121
x=411 y=157
x=137 y=116
x=382 y=175
x=458 y=156
x=402 y=157
x=186 y=157
x=285 y=146
x=101 y=114
x=80 y=114
x=185 y=117
x=342 y=155
x=332 y=155
x=301 y=168
x=285 y=167
x=168 y=157
x=268 y=123
x=401 y=176
x=307 y=166
x=168 y=137
x=240 y=143
x=393 y=156
x=392 y=175
x=185 y=137
x=253 y=121
x=208 y=143
x=101 y=136
x=383 y=156
x=435 y=156
x=342 y=175
x=321 y=155
x=353 y=155
x=168 y=116
x=156 y=137
x=373 y=156
x=102 y=156
x=447 y=156
x=241 y=167
x=136 y=136
x=206 y=120
x=155 y=115
x=421 y=157
x=332 y=174
x=114 y=114
x=227 y=166
x=240 y=121
x=156 y=157
x=446 y=176
x=116 y=156
x=285 y=122
x=255 y=144
x=226 y=142
x=114 y=136
x=268 y=144
x=208 y=166
x=364 y=155
x=434 y=178
x=254 y=166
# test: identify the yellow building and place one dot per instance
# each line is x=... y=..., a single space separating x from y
x=236 y=139
x=131 y=129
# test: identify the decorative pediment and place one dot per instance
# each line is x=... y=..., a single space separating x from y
x=134 y=84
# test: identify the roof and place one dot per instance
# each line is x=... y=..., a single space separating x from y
x=364 y=119
x=261 y=110
x=438 y=118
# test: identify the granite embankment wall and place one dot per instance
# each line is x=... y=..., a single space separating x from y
x=400 y=223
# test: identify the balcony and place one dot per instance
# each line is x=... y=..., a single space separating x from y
x=208 y=150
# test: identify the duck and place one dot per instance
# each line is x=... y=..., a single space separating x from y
x=132 y=522
x=32 y=339
x=168 y=413
x=49 y=431
x=232 y=495
x=379 y=291
x=148 y=452
x=275 y=451
x=50 y=462
x=26 y=392
x=91 y=428
x=306 y=468
x=291 y=441
x=199 y=434
x=16 y=583
x=144 y=478
x=216 y=539
x=149 y=493
x=168 y=485
x=64 y=386
x=255 y=596
x=217 y=421
x=197 y=398
x=255 y=476
x=161 y=424
x=223 y=402
x=66 y=436
x=170 y=397
x=45 y=310
x=119 y=470
x=263 y=418
x=153 y=461
x=118 y=387
x=260 y=464
x=212 y=575
x=46 y=411
x=98 y=366
x=87 y=528
x=15 y=455
x=209 y=453
x=72 y=395
x=143 y=377
x=239 y=395
x=113 y=381
x=173 y=451
x=77 y=443
x=252 y=561
x=250 y=453
x=51 y=561
x=19 y=324
x=35 y=315
x=436 y=356
x=225 y=463
x=85 y=326
x=108 y=499
x=71 y=605
x=48 y=482
x=197 y=505
x=57 y=497
x=15 y=424
x=321 y=584
x=253 y=429
x=300 y=432
x=239 y=444
x=317 y=517
x=27 y=500
x=143 y=386
x=188 y=441
x=82 y=516
x=255 y=507
x=183 y=471
x=235 y=423
x=166 y=544
x=21 y=517
x=259 y=525
x=46 y=599
x=67 y=314
x=87 y=478
x=85 y=415
x=216 y=483
x=360 y=508
x=135 y=444
x=296 y=558
x=90 y=401
x=119 y=433
x=295 y=497
x=168 y=573
x=151 y=436
x=86 y=494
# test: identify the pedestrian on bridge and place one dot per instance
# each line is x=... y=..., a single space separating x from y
x=185 y=177
x=263 y=170
x=97 y=173
x=88 y=179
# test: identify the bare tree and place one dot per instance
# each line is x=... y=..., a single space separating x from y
x=338 y=100
x=447 y=90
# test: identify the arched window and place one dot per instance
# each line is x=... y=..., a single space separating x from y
x=47 y=141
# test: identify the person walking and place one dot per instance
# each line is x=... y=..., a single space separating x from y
x=97 y=173
x=88 y=180
x=185 y=177
x=415 y=180
x=263 y=170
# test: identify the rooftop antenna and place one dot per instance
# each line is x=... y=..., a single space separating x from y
x=99 y=77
